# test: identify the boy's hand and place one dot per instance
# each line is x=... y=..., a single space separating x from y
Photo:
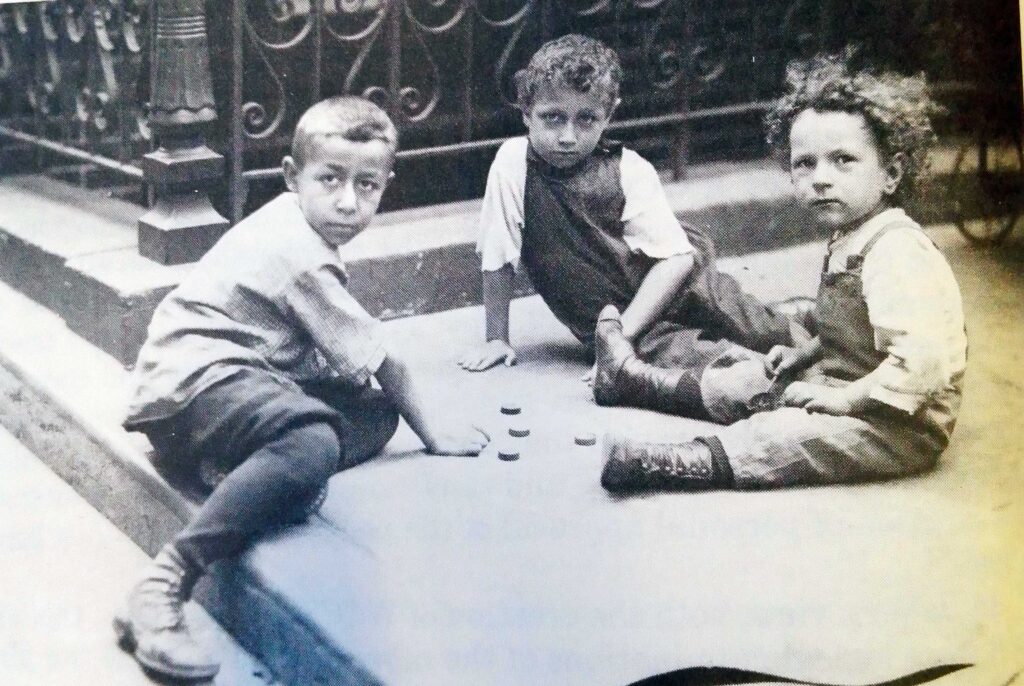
x=465 y=439
x=783 y=359
x=487 y=355
x=818 y=398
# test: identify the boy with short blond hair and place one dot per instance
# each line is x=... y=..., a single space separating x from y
x=589 y=222
x=254 y=380
x=875 y=395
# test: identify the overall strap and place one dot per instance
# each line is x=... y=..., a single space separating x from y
x=857 y=261
x=891 y=226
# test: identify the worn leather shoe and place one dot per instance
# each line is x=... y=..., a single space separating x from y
x=153 y=625
x=611 y=352
x=622 y=378
x=639 y=466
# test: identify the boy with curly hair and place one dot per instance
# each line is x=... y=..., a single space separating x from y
x=589 y=221
x=875 y=394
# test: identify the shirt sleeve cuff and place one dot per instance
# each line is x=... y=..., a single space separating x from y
x=493 y=264
x=657 y=251
x=901 y=400
x=376 y=359
x=361 y=374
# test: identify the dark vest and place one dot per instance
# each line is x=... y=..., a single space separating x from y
x=573 y=247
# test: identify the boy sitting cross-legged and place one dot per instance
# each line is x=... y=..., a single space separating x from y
x=255 y=376
x=589 y=221
x=875 y=394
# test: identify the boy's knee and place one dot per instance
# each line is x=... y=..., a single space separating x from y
x=374 y=425
x=735 y=385
x=914 y=462
x=316 y=455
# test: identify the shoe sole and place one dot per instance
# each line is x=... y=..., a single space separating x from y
x=125 y=633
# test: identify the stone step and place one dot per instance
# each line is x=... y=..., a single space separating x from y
x=423 y=570
x=75 y=250
x=63 y=398
x=70 y=567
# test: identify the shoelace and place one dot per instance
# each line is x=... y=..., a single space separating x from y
x=166 y=606
x=666 y=461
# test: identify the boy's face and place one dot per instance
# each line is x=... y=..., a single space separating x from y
x=837 y=169
x=565 y=125
x=340 y=184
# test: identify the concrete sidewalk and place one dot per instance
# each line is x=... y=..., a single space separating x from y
x=63 y=574
x=441 y=570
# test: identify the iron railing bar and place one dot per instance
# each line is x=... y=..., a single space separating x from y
x=237 y=186
x=469 y=146
x=393 y=38
x=691 y=115
x=70 y=151
x=625 y=125
x=318 y=51
x=682 y=140
x=467 y=77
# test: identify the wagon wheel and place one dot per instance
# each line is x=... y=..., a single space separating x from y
x=994 y=188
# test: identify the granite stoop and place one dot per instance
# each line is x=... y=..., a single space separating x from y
x=423 y=570
x=63 y=398
x=75 y=250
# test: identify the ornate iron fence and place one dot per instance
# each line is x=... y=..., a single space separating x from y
x=92 y=79
x=74 y=81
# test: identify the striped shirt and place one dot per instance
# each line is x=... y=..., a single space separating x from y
x=915 y=309
x=271 y=295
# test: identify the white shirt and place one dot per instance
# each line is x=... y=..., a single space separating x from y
x=915 y=309
x=501 y=217
x=270 y=294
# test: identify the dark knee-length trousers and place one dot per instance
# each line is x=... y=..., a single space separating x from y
x=266 y=446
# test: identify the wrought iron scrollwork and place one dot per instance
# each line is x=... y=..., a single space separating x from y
x=76 y=64
x=78 y=71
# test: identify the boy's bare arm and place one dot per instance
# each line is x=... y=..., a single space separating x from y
x=785 y=359
x=656 y=291
x=497 y=299
x=439 y=433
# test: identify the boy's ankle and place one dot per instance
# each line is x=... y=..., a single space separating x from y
x=153 y=626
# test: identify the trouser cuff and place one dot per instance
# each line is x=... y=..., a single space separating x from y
x=688 y=395
x=721 y=468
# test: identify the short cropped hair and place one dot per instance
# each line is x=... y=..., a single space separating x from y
x=897 y=108
x=349 y=116
x=580 y=62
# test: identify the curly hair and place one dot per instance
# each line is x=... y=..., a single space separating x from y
x=898 y=109
x=580 y=62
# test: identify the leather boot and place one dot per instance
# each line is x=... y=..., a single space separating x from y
x=639 y=466
x=622 y=378
x=153 y=625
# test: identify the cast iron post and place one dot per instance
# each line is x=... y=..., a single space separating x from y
x=182 y=225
